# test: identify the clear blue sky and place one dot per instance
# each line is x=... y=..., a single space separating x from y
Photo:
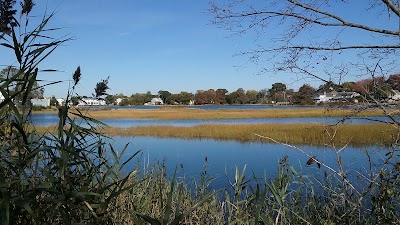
x=148 y=45
x=145 y=45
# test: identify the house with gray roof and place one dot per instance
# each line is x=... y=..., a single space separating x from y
x=335 y=96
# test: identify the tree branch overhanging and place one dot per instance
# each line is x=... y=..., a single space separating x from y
x=302 y=34
x=392 y=7
x=301 y=47
x=343 y=23
x=346 y=23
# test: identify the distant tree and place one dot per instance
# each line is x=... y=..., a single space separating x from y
x=75 y=100
x=206 y=97
x=148 y=96
x=37 y=92
x=279 y=96
x=185 y=97
x=53 y=101
x=124 y=102
x=211 y=96
x=175 y=99
x=305 y=95
x=252 y=96
x=394 y=81
x=277 y=87
x=200 y=97
x=373 y=88
x=289 y=96
x=238 y=97
x=328 y=87
x=139 y=99
x=278 y=92
x=165 y=96
x=348 y=86
x=262 y=96
x=242 y=97
x=110 y=99
x=120 y=95
x=8 y=72
x=221 y=96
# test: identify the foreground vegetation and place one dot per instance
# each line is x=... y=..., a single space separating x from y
x=290 y=197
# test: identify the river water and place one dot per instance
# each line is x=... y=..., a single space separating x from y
x=222 y=157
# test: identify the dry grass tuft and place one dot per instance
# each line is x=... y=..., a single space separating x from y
x=179 y=113
x=292 y=133
x=309 y=134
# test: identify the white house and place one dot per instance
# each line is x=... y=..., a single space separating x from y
x=118 y=101
x=91 y=101
x=155 y=101
x=324 y=97
x=334 y=96
x=347 y=95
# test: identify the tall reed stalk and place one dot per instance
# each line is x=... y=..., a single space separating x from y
x=61 y=178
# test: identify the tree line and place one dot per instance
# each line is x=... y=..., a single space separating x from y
x=377 y=88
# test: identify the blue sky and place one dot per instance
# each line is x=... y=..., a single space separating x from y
x=149 y=45
x=145 y=46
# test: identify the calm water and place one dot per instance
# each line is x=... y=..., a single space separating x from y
x=52 y=119
x=224 y=156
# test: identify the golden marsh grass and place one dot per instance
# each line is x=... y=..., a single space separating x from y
x=180 y=113
x=308 y=134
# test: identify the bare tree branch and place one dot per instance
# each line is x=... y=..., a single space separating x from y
x=344 y=22
x=392 y=7
x=301 y=32
x=320 y=48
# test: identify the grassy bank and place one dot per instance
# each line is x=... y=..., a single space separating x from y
x=169 y=113
x=290 y=197
x=309 y=134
